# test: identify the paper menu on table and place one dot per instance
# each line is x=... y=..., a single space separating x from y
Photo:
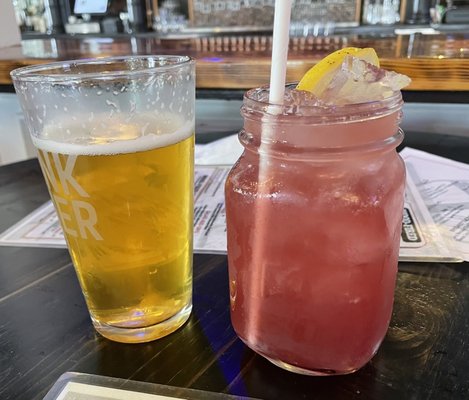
x=41 y=228
x=421 y=240
x=444 y=187
x=209 y=209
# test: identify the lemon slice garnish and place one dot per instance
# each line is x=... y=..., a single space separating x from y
x=321 y=74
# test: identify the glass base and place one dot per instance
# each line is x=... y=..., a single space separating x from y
x=298 y=370
x=145 y=334
x=312 y=372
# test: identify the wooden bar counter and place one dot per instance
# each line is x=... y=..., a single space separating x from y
x=437 y=62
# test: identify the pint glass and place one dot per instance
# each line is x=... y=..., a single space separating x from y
x=115 y=141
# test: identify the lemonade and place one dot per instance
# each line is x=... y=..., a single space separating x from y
x=314 y=225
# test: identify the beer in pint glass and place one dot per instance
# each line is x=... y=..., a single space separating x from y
x=115 y=140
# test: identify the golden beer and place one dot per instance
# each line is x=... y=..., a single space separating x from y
x=115 y=140
x=126 y=209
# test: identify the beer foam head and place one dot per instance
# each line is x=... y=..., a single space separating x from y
x=96 y=135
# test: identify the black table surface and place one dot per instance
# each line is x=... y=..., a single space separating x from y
x=45 y=329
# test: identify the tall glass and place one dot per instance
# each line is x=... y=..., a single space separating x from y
x=314 y=212
x=115 y=140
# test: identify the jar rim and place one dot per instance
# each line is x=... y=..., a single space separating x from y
x=128 y=66
x=316 y=113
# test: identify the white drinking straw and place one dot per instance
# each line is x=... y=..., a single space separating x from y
x=278 y=69
x=278 y=72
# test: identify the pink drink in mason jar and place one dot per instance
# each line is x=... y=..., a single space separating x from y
x=313 y=230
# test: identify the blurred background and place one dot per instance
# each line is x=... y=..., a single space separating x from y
x=231 y=41
x=309 y=17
